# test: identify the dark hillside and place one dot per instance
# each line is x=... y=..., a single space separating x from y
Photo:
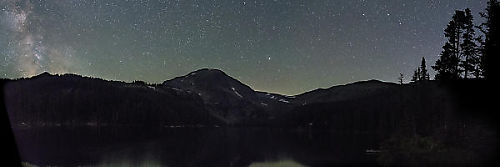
x=50 y=100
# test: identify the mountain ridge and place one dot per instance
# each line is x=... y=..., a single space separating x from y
x=211 y=94
x=46 y=74
x=209 y=97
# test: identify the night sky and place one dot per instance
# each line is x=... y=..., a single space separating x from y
x=281 y=46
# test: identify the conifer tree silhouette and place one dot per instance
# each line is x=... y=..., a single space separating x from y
x=491 y=42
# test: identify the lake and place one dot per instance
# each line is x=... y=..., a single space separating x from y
x=218 y=147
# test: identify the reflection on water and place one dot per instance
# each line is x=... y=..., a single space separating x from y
x=128 y=161
x=190 y=147
x=280 y=163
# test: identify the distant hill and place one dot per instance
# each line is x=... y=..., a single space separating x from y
x=53 y=100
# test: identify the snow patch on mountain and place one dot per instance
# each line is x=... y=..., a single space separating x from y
x=236 y=92
x=284 y=101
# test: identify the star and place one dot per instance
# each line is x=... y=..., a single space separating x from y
x=168 y=38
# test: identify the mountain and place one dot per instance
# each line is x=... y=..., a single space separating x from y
x=345 y=92
x=205 y=96
x=202 y=97
x=375 y=106
x=217 y=88
x=429 y=119
x=227 y=98
x=210 y=97
x=55 y=100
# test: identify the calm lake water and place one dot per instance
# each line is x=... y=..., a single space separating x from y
x=218 y=147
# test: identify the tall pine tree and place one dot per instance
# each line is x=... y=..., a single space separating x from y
x=421 y=73
x=447 y=64
x=492 y=38
x=469 y=48
x=441 y=65
x=479 y=69
x=416 y=75
x=424 y=74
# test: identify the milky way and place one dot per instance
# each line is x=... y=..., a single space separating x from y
x=27 y=48
x=272 y=45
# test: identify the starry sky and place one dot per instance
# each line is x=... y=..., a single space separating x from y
x=282 y=46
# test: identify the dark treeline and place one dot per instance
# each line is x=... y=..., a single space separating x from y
x=421 y=73
x=467 y=54
x=51 y=100
x=470 y=50
x=430 y=131
x=427 y=122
